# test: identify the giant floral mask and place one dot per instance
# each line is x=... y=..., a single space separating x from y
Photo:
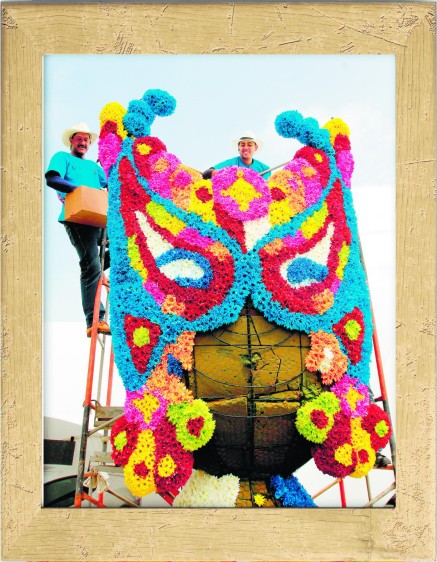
x=187 y=252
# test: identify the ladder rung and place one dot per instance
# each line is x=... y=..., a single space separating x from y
x=109 y=469
x=102 y=457
x=105 y=413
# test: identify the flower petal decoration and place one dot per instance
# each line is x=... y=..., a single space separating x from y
x=194 y=423
x=142 y=150
x=124 y=439
x=353 y=395
x=205 y=490
x=139 y=470
x=145 y=407
x=169 y=386
x=366 y=454
x=291 y=492
x=241 y=193
x=351 y=331
x=337 y=456
x=315 y=418
x=326 y=357
x=377 y=424
x=174 y=464
x=347 y=451
x=160 y=102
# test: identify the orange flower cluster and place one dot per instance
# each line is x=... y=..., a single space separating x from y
x=326 y=357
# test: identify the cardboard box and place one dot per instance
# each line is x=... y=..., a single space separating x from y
x=86 y=205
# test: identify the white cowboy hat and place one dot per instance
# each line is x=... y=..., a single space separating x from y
x=249 y=135
x=78 y=128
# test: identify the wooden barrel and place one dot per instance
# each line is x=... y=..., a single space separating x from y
x=252 y=374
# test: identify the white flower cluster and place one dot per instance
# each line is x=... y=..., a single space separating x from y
x=205 y=490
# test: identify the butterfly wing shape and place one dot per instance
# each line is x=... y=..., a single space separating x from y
x=307 y=270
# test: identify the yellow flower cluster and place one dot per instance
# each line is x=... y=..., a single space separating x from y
x=363 y=447
x=202 y=206
x=133 y=253
x=147 y=406
x=138 y=473
x=343 y=256
x=166 y=466
x=315 y=222
x=114 y=111
x=164 y=219
x=336 y=126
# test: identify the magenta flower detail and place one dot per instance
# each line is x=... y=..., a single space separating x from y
x=109 y=149
x=241 y=192
x=145 y=407
x=353 y=396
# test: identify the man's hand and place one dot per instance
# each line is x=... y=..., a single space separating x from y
x=207 y=174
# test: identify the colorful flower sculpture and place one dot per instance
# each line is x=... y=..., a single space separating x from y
x=187 y=252
x=347 y=429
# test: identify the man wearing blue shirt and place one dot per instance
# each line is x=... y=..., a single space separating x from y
x=67 y=171
x=247 y=145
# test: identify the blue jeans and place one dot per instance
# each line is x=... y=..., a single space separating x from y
x=86 y=240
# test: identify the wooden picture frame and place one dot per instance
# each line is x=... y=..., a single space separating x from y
x=406 y=30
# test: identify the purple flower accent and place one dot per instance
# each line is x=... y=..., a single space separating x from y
x=109 y=149
x=346 y=390
x=242 y=192
x=145 y=407
x=162 y=165
x=345 y=163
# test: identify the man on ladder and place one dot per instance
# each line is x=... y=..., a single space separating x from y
x=67 y=171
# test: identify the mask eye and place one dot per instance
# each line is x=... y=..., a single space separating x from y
x=302 y=272
x=186 y=268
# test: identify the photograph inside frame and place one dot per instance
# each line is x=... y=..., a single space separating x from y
x=219 y=281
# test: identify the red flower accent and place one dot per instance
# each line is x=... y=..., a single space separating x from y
x=132 y=196
x=141 y=469
x=195 y=425
x=233 y=226
x=353 y=347
x=342 y=142
x=108 y=127
x=363 y=456
x=166 y=443
x=319 y=418
x=324 y=455
x=141 y=353
x=203 y=194
x=142 y=155
x=121 y=456
x=318 y=159
x=277 y=194
x=370 y=422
